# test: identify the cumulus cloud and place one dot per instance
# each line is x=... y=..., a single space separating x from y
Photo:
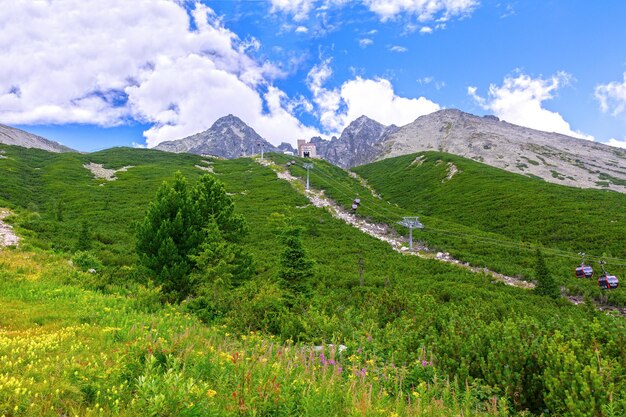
x=300 y=9
x=612 y=96
x=374 y=98
x=519 y=100
x=423 y=10
x=326 y=101
x=139 y=61
x=617 y=143
x=429 y=10
x=365 y=42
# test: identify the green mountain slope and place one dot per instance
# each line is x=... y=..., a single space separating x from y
x=497 y=201
x=515 y=210
x=413 y=327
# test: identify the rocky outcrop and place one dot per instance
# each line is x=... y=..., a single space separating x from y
x=551 y=156
x=12 y=136
x=356 y=145
x=286 y=147
x=229 y=137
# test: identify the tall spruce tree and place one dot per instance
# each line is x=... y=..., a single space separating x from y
x=546 y=285
x=180 y=225
x=296 y=268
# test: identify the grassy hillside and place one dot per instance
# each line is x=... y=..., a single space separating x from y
x=518 y=213
x=423 y=338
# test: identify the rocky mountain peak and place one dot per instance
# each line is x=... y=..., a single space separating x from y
x=551 y=156
x=12 y=136
x=228 y=137
x=356 y=144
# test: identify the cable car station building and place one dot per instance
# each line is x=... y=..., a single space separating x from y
x=306 y=150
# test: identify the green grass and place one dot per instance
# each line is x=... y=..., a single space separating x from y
x=493 y=348
x=519 y=213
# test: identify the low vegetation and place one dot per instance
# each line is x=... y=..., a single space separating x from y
x=409 y=336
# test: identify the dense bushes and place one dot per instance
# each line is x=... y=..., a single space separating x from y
x=419 y=333
x=188 y=238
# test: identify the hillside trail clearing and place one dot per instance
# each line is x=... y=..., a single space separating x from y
x=7 y=235
x=386 y=234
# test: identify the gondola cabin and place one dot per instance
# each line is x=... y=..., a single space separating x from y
x=608 y=282
x=584 y=271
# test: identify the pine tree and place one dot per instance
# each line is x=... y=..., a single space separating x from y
x=185 y=229
x=84 y=237
x=297 y=268
x=546 y=285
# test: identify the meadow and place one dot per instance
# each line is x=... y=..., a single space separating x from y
x=422 y=337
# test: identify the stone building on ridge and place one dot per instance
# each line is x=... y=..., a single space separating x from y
x=306 y=150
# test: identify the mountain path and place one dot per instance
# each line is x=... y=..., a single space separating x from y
x=7 y=235
x=100 y=172
x=386 y=234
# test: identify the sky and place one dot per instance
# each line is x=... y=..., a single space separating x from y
x=102 y=73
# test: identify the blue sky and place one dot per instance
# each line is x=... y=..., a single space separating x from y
x=137 y=73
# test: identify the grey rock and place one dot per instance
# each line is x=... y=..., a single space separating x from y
x=286 y=147
x=12 y=136
x=551 y=156
x=229 y=137
x=356 y=145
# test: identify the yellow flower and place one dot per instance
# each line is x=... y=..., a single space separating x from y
x=211 y=393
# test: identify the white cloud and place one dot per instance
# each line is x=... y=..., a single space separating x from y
x=519 y=101
x=612 y=96
x=139 y=60
x=426 y=30
x=302 y=29
x=398 y=48
x=327 y=101
x=300 y=9
x=374 y=98
x=423 y=10
x=617 y=143
x=365 y=42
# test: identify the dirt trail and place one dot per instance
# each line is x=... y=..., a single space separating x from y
x=7 y=236
x=386 y=234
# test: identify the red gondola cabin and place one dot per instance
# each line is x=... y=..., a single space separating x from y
x=584 y=271
x=608 y=282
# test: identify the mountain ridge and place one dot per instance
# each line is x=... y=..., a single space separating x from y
x=229 y=137
x=18 y=137
x=553 y=157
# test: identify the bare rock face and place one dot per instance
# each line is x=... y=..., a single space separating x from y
x=229 y=137
x=12 y=136
x=356 y=145
x=551 y=156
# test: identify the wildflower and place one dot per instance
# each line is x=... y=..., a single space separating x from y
x=211 y=393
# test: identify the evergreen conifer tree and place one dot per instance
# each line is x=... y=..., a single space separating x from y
x=84 y=237
x=185 y=229
x=546 y=285
x=297 y=268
